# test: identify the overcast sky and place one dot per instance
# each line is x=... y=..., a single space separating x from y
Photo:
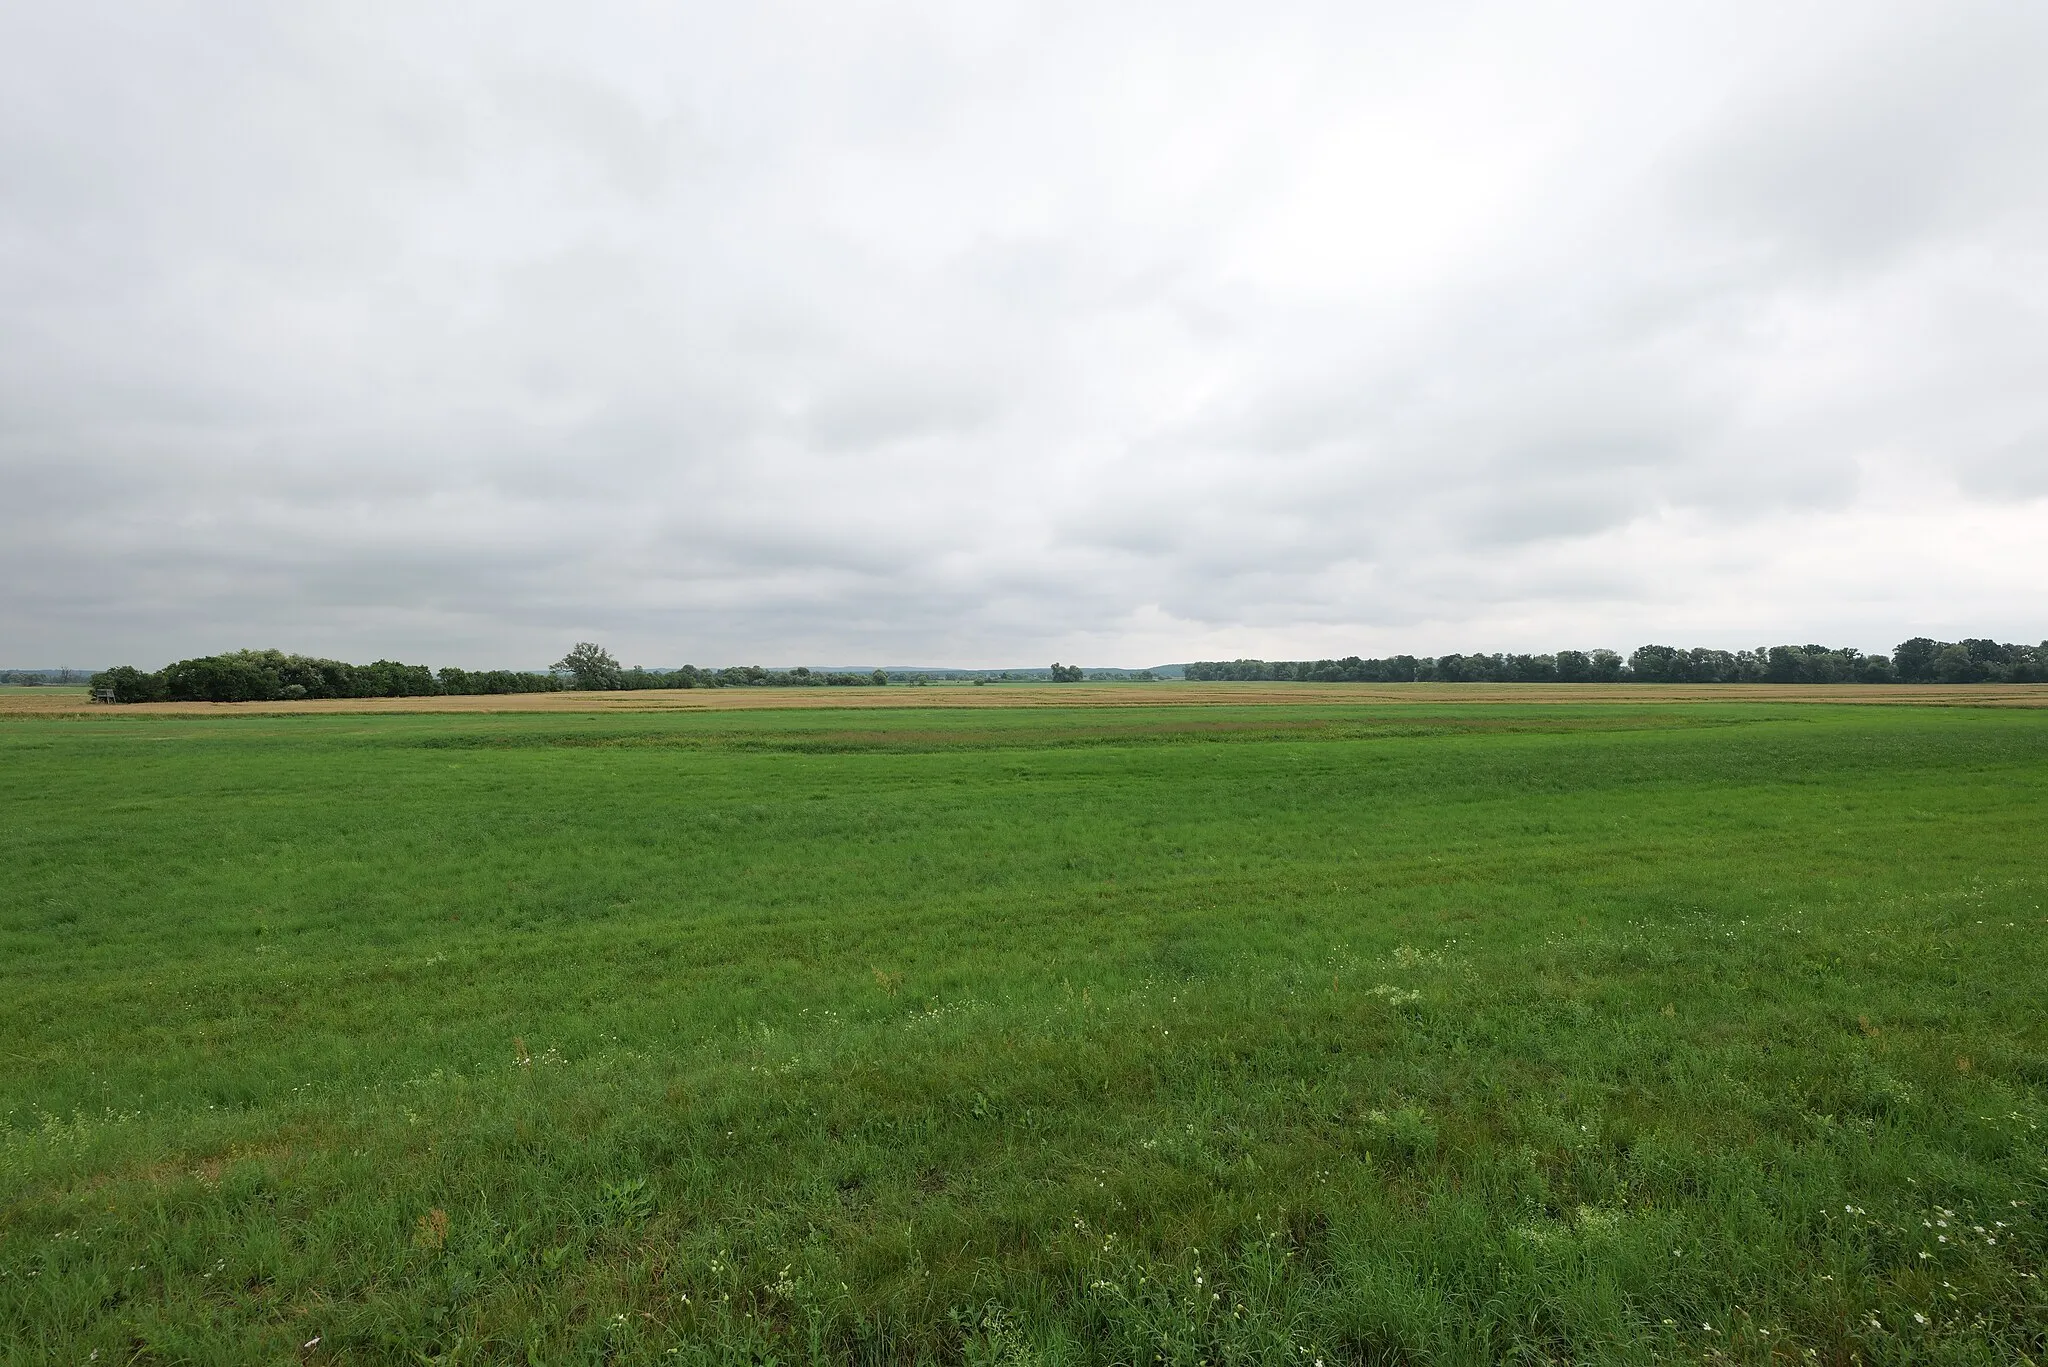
x=981 y=334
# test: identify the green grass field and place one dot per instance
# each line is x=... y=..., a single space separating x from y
x=1431 y=1033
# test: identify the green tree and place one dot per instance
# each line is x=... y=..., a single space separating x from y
x=1954 y=665
x=1660 y=664
x=129 y=684
x=1915 y=659
x=592 y=666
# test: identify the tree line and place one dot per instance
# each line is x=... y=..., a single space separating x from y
x=1920 y=660
x=274 y=676
x=591 y=668
x=42 y=678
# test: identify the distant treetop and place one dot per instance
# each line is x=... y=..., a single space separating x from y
x=1920 y=660
x=273 y=676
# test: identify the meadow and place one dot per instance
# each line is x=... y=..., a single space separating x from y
x=1280 y=1026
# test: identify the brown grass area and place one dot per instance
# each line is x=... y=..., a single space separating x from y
x=52 y=702
x=279 y=1154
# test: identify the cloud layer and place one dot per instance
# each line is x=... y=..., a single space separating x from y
x=981 y=334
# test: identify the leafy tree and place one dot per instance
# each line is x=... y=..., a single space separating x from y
x=1660 y=664
x=1066 y=673
x=1604 y=666
x=242 y=676
x=487 y=681
x=1783 y=664
x=593 y=668
x=1919 y=660
x=1915 y=659
x=1994 y=659
x=130 y=684
x=390 y=679
x=1713 y=666
x=1954 y=665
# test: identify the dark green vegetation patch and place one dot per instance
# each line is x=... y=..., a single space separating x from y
x=1035 y=729
x=1457 y=1034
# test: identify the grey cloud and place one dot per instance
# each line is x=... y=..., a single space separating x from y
x=873 y=413
x=2012 y=470
x=992 y=335
x=1904 y=135
x=1552 y=512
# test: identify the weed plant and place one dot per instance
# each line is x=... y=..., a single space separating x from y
x=1278 y=1035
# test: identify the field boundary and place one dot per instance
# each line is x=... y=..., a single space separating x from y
x=66 y=702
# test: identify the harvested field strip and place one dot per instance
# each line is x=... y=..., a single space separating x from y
x=57 y=702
